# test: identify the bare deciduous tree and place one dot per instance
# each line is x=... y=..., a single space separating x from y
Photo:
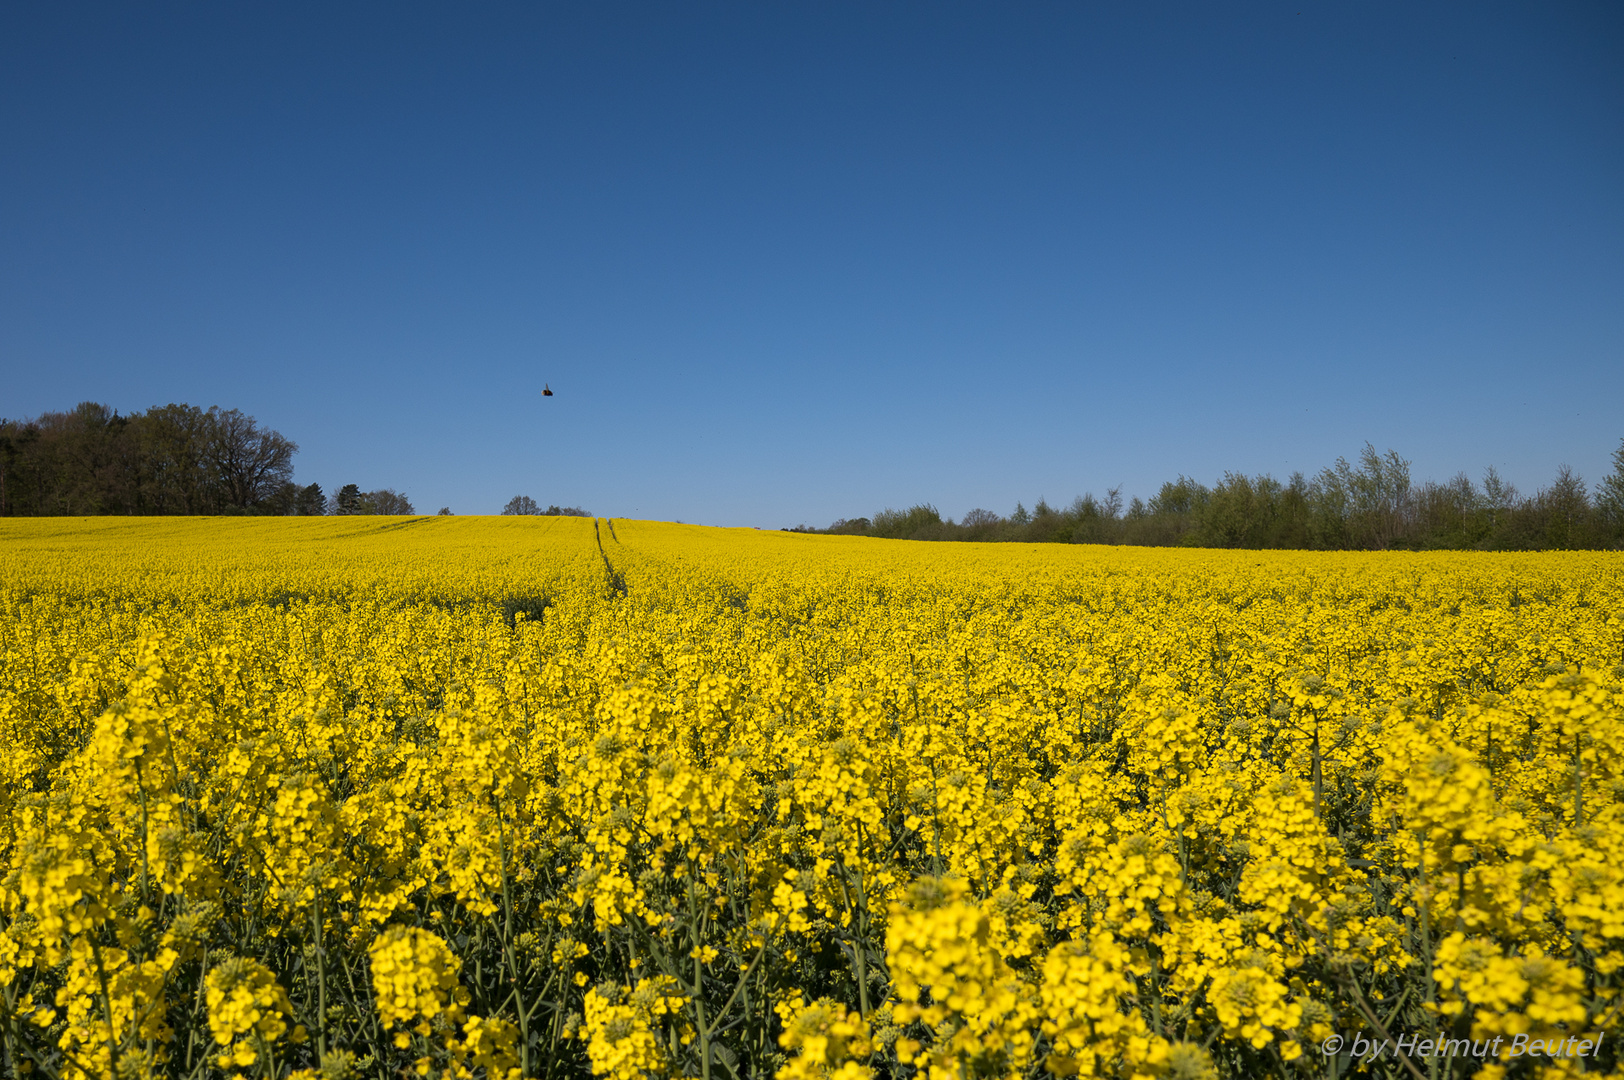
x=386 y=501
x=521 y=504
x=250 y=461
x=1610 y=492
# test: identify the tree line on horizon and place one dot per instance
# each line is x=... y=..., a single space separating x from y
x=170 y=459
x=1371 y=505
x=181 y=459
x=525 y=506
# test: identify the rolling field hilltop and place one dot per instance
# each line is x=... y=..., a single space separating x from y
x=558 y=797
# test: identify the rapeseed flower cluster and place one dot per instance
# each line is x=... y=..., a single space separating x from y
x=562 y=798
x=248 y=1009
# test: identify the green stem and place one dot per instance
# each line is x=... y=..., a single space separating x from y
x=507 y=943
x=321 y=979
x=1578 y=784
x=1426 y=948
x=107 y=1003
x=699 y=979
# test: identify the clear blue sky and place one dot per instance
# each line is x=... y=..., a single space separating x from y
x=789 y=262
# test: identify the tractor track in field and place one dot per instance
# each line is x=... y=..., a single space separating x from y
x=617 y=581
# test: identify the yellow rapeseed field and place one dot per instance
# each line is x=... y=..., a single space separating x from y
x=555 y=797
